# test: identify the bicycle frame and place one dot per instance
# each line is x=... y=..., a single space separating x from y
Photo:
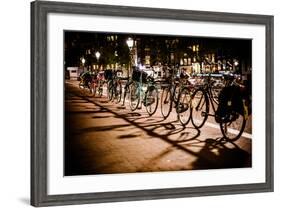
x=207 y=88
x=223 y=117
x=142 y=89
x=127 y=89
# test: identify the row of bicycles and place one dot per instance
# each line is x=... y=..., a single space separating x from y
x=194 y=99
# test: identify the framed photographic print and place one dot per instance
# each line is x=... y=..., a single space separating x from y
x=132 y=103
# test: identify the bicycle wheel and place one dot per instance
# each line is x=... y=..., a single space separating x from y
x=81 y=84
x=84 y=88
x=200 y=108
x=126 y=93
x=134 y=96
x=100 y=89
x=166 y=102
x=176 y=93
x=233 y=129
x=109 y=90
x=151 y=100
x=118 y=92
x=215 y=94
x=183 y=106
x=93 y=89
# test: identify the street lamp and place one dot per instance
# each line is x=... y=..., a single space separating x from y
x=116 y=59
x=98 y=56
x=83 y=61
x=130 y=43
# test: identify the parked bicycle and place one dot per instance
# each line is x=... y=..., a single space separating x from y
x=170 y=91
x=87 y=82
x=114 y=88
x=231 y=112
x=143 y=90
x=176 y=93
x=97 y=84
x=126 y=89
x=184 y=102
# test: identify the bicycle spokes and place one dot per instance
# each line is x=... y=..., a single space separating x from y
x=233 y=128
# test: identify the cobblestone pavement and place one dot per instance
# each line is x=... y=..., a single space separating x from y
x=104 y=137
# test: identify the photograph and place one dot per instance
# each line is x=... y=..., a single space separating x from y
x=138 y=103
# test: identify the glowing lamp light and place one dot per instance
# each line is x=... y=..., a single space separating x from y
x=97 y=55
x=130 y=42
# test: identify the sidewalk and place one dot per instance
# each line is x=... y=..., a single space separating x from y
x=102 y=137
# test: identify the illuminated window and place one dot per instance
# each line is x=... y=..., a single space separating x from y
x=181 y=61
x=189 y=61
x=193 y=48
x=185 y=61
x=172 y=56
x=147 y=60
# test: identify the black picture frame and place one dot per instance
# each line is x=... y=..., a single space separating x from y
x=39 y=98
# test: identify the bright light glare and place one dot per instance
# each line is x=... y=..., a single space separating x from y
x=97 y=54
x=83 y=61
x=130 y=42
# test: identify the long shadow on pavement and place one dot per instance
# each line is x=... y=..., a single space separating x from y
x=213 y=154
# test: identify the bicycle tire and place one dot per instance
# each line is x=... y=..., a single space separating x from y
x=166 y=99
x=81 y=85
x=228 y=131
x=151 y=100
x=198 y=115
x=118 y=92
x=100 y=89
x=183 y=106
x=134 y=96
x=126 y=93
x=93 y=89
x=109 y=90
x=83 y=88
